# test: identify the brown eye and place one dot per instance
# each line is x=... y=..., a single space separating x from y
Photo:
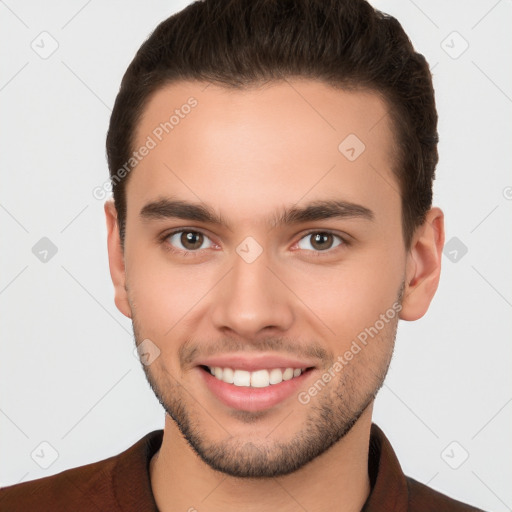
x=187 y=240
x=191 y=240
x=320 y=241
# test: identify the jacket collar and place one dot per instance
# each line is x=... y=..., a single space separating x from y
x=132 y=484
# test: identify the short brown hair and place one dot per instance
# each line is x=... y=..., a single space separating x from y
x=239 y=43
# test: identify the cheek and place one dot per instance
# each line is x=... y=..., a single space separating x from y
x=346 y=297
x=152 y=291
x=351 y=297
x=162 y=292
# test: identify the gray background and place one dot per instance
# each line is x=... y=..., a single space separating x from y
x=68 y=374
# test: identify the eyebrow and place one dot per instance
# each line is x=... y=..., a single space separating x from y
x=168 y=208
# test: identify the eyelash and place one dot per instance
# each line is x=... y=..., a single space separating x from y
x=172 y=249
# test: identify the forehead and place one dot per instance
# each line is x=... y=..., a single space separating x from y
x=283 y=141
x=293 y=106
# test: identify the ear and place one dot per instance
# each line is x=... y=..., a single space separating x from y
x=423 y=266
x=116 y=259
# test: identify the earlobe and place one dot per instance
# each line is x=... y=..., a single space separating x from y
x=423 y=266
x=116 y=259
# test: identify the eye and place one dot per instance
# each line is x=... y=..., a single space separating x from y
x=185 y=241
x=321 y=241
x=190 y=242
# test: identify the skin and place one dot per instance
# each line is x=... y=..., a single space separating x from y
x=249 y=154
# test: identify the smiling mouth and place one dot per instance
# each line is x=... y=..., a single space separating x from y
x=255 y=379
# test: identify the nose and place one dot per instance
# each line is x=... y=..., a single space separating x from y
x=252 y=298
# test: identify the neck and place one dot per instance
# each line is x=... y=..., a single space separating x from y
x=336 y=480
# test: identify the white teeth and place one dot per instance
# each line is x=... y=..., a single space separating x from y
x=241 y=378
x=276 y=376
x=288 y=374
x=227 y=375
x=256 y=379
x=260 y=379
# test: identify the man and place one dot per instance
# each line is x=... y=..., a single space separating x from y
x=272 y=166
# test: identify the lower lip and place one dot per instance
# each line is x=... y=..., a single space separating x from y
x=247 y=398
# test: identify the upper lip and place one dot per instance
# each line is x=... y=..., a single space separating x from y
x=254 y=362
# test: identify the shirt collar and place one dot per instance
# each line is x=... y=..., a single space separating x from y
x=389 y=490
x=132 y=484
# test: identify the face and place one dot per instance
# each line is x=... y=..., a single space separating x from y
x=263 y=232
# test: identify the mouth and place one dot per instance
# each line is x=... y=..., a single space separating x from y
x=255 y=379
x=255 y=390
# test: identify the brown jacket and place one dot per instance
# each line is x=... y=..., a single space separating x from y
x=121 y=483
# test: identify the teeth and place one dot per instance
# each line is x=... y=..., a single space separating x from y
x=276 y=376
x=228 y=375
x=241 y=378
x=260 y=379
x=256 y=379
x=288 y=374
